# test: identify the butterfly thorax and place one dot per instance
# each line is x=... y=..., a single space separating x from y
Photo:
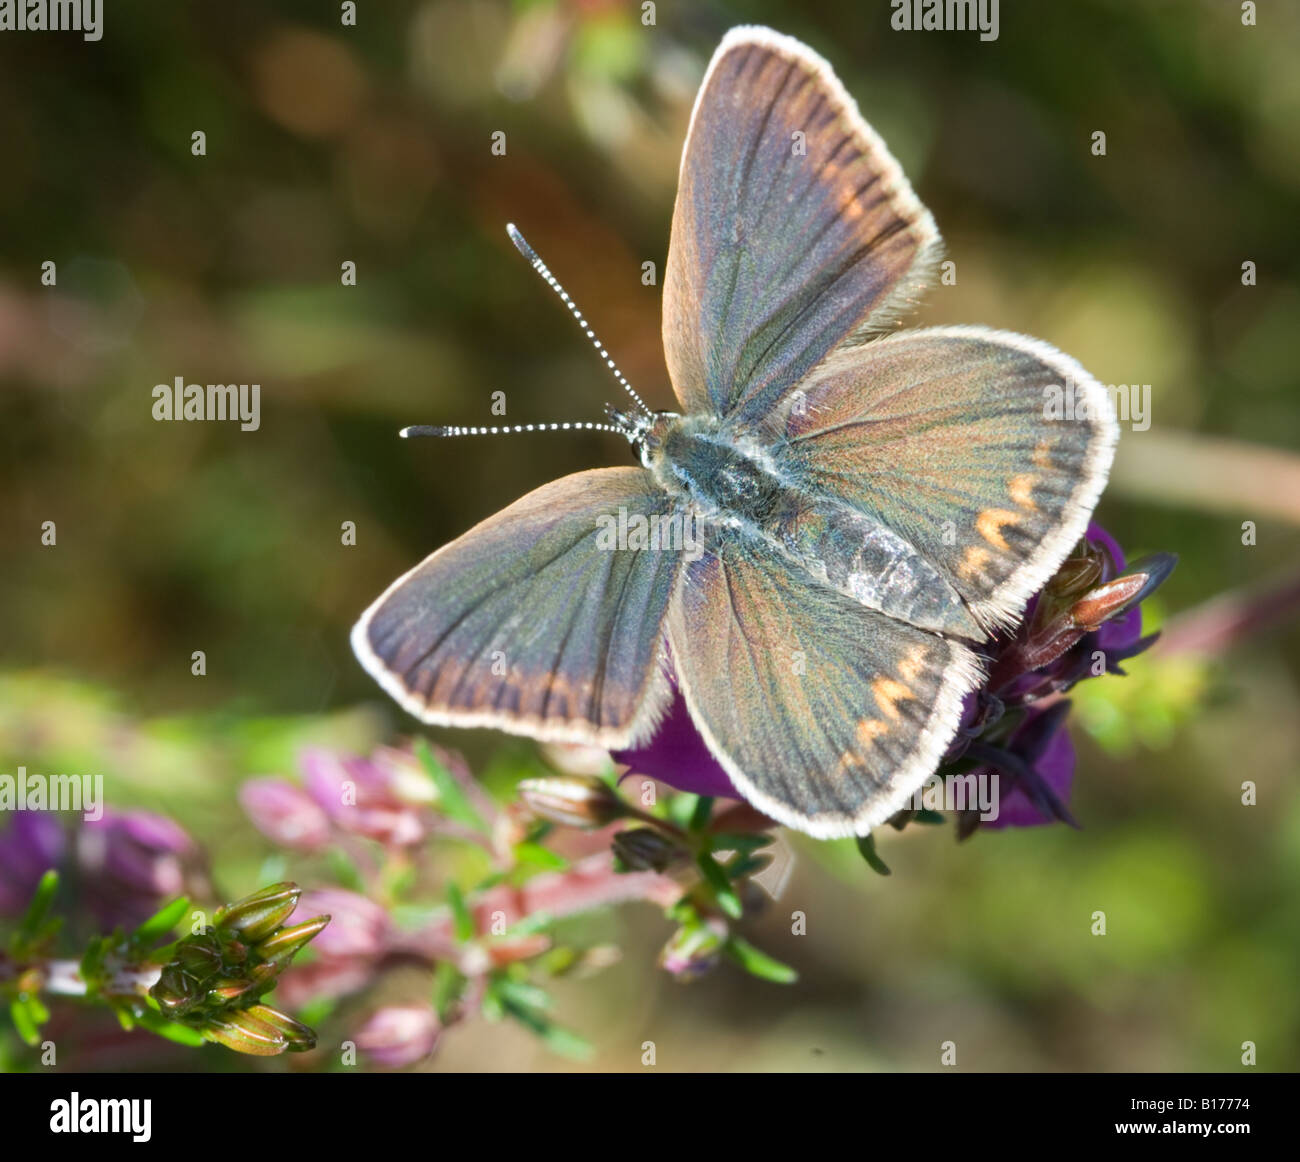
x=717 y=477
x=743 y=487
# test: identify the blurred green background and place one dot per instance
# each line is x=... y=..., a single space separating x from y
x=372 y=145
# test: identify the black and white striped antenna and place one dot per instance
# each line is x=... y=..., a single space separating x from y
x=535 y=261
x=628 y=426
x=505 y=429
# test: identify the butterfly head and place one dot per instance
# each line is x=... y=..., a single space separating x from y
x=645 y=431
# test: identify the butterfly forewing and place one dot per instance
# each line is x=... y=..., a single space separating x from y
x=793 y=226
x=535 y=621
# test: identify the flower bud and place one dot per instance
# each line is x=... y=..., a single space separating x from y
x=244 y=1031
x=300 y=1037
x=199 y=955
x=399 y=1035
x=693 y=950
x=285 y=944
x=572 y=800
x=255 y=917
x=224 y=991
x=231 y=990
x=176 y=991
x=645 y=849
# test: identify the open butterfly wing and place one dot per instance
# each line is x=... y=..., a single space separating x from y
x=793 y=227
x=534 y=622
x=986 y=451
x=826 y=715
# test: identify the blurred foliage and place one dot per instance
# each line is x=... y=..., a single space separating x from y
x=371 y=145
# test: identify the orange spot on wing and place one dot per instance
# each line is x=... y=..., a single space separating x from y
x=989 y=525
x=973 y=563
x=911 y=666
x=1042 y=457
x=870 y=729
x=888 y=692
x=1021 y=490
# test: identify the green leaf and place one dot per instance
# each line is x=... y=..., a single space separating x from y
x=161 y=922
x=91 y=968
x=492 y=1006
x=536 y=922
x=747 y=865
x=523 y=994
x=758 y=963
x=448 y=986
x=558 y=1039
x=488 y=882
x=36 y=927
x=701 y=813
x=24 y=1021
x=171 y=1030
x=534 y=855
x=452 y=801
x=566 y=1043
x=462 y=919
x=717 y=880
x=345 y=872
x=867 y=846
x=682 y=912
x=681 y=808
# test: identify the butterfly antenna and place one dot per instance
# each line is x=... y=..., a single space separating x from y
x=576 y=426
x=535 y=261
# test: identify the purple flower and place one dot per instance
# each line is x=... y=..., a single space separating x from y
x=33 y=843
x=123 y=866
x=399 y=1035
x=678 y=756
x=1038 y=796
x=133 y=861
x=1084 y=622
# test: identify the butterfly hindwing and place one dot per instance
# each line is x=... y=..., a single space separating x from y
x=793 y=226
x=531 y=622
x=985 y=451
x=826 y=715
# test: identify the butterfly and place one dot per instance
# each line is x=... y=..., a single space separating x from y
x=865 y=505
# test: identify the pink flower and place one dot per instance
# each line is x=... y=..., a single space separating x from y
x=285 y=814
x=399 y=1035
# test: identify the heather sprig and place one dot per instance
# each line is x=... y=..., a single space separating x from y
x=205 y=986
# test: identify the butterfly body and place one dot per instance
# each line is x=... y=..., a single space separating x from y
x=868 y=504
x=720 y=479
